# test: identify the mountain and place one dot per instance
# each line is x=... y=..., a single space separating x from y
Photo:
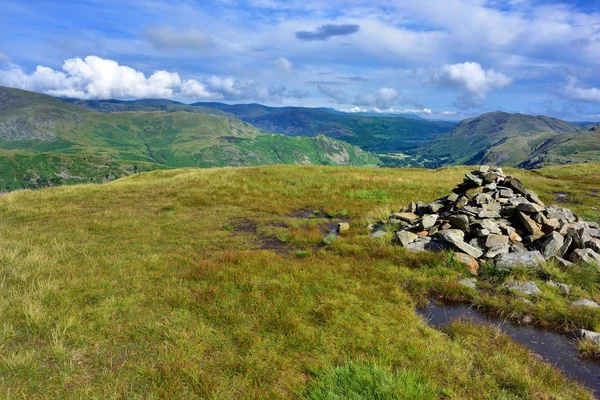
x=371 y=133
x=496 y=138
x=142 y=105
x=46 y=141
x=580 y=147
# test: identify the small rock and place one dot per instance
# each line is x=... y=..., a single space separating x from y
x=517 y=185
x=423 y=233
x=562 y=214
x=470 y=178
x=564 y=288
x=453 y=235
x=459 y=221
x=452 y=197
x=530 y=225
x=490 y=226
x=462 y=201
x=552 y=245
x=593 y=244
x=497 y=250
x=585 y=256
x=488 y=214
x=404 y=238
x=378 y=234
x=496 y=240
x=530 y=208
x=343 y=227
x=588 y=335
x=511 y=260
x=467 y=248
x=484 y=168
x=561 y=262
x=506 y=193
x=585 y=303
x=514 y=237
x=470 y=262
x=470 y=283
x=428 y=221
x=525 y=288
x=408 y=217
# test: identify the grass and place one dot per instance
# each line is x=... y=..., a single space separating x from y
x=168 y=285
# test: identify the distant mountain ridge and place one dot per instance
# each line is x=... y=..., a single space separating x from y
x=497 y=138
x=44 y=141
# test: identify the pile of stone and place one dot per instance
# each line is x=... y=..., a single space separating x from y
x=491 y=217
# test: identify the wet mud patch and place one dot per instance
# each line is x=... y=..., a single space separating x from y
x=267 y=242
x=309 y=213
x=560 y=350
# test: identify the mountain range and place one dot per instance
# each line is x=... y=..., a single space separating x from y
x=47 y=141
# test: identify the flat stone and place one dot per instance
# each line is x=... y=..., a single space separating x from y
x=480 y=233
x=483 y=198
x=459 y=221
x=515 y=237
x=461 y=202
x=489 y=214
x=404 y=238
x=470 y=262
x=452 y=197
x=427 y=244
x=587 y=256
x=406 y=216
x=552 y=244
x=453 y=235
x=496 y=240
x=470 y=178
x=435 y=207
x=506 y=193
x=518 y=247
x=565 y=247
x=428 y=221
x=490 y=226
x=533 y=197
x=423 y=233
x=561 y=262
x=517 y=185
x=509 y=261
x=560 y=213
x=467 y=248
x=497 y=250
x=530 y=225
x=593 y=225
x=585 y=303
x=529 y=288
x=530 y=208
x=474 y=192
x=484 y=168
x=489 y=177
x=470 y=283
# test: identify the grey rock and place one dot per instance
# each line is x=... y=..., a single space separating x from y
x=593 y=244
x=532 y=196
x=516 y=184
x=509 y=261
x=530 y=208
x=518 y=247
x=404 y=238
x=484 y=168
x=585 y=256
x=378 y=234
x=525 y=288
x=561 y=262
x=588 y=335
x=565 y=247
x=469 y=177
x=467 y=248
x=459 y=221
x=585 y=303
x=506 y=193
x=552 y=245
x=428 y=244
x=435 y=207
x=428 y=221
x=453 y=235
x=564 y=288
x=490 y=226
x=482 y=233
x=489 y=214
x=560 y=213
x=462 y=201
x=496 y=251
x=452 y=197
x=530 y=225
x=496 y=240
x=470 y=283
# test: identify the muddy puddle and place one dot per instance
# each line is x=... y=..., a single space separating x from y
x=557 y=349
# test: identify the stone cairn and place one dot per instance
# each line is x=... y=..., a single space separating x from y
x=494 y=218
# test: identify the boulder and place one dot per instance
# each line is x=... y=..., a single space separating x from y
x=552 y=245
x=470 y=262
x=529 y=288
x=404 y=238
x=511 y=260
x=588 y=256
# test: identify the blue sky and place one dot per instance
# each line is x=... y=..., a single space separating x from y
x=437 y=58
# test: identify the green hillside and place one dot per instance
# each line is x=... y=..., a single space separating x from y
x=212 y=284
x=121 y=142
x=372 y=133
x=496 y=138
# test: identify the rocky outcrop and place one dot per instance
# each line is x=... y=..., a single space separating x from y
x=494 y=218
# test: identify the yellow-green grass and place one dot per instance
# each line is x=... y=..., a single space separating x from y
x=157 y=286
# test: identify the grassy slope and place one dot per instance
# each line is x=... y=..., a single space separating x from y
x=35 y=123
x=160 y=285
x=378 y=134
x=496 y=138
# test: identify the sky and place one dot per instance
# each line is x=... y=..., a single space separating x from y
x=439 y=59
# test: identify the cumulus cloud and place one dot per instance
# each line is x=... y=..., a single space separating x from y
x=283 y=65
x=383 y=98
x=577 y=91
x=472 y=80
x=324 y=32
x=166 y=37
x=97 y=78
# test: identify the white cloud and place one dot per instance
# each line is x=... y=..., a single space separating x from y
x=383 y=98
x=97 y=78
x=577 y=91
x=283 y=65
x=165 y=37
x=470 y=78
